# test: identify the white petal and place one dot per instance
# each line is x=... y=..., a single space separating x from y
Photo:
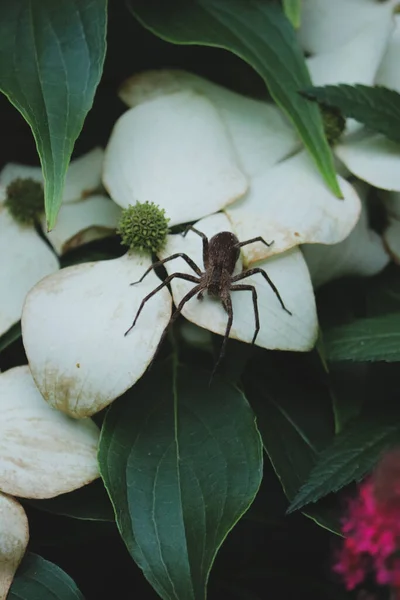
x=14 y=537
x=81 y=222
x=83 y=175
x=73 y=327
x=392 y=232
x=392 y=239
x=173 y=151
x=291 y=205
x=389 y=70
x=261 y=134
x=362 y=253
x=43 y=453
x=357 y=60
x=327 y=25
x=25 y=260
x=289 y=273
x=373 y=158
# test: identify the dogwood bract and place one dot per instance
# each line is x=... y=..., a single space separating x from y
x=43 y=453
x=84 y=215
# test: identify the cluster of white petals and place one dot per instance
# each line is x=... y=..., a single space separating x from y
x=195 y=149
x=43 y=453
x=85 y=214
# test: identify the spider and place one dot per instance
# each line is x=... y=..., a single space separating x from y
x=220 y=255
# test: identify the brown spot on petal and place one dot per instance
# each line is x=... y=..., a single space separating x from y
x=78 y=365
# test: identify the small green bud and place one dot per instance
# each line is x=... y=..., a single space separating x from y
x=334 y=123
x=25 y=200
x=143 y=227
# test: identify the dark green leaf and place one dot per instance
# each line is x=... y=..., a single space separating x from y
x=259 y=33
x=89 y=503
x=292 y=10
x=51 y=60
x=352 y=454
x=294 y=416
x=375 y=339
x=377 y=107
x=182 y=462
x=383 y=294
x=39 y=579
x=13 y=334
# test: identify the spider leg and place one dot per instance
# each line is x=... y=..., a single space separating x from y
x=205 y=243
x=252 y=289
x=267 y=278
x=157 y=289
x=185 y=257
x=177 y=312
x=255 y=239
x=227 y=304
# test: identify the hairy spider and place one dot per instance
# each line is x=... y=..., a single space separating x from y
x=220 y=255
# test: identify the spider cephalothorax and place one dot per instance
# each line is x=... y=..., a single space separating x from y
x=220 y=255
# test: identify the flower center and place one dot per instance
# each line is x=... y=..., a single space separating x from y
x=143 y=227
x=25 y=200
x=334 y=123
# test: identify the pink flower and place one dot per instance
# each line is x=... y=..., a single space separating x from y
x=372 y=529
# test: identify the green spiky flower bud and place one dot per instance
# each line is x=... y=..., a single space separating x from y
x=334 y=123
x=25 y=200
x=143 y=227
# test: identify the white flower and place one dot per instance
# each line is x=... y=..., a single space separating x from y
x=361 y=254
x=281 y=200
x=193 y=148
x=357 y=41
x=85 y=215
x=43 y=453
x=391 y=235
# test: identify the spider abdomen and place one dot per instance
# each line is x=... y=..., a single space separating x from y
x=223 y=251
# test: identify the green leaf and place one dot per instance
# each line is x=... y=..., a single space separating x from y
x=259 y=33
x=375 y=339
x=39 y=579
x=294 y=416
x=377 y=107
x=292 y=10
x=51 y=60
x=182 y=462
x=352 y=454
x=89 y=503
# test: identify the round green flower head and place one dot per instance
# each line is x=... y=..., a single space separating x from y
x=25 y=200
x=143 y=227
x=334 y=123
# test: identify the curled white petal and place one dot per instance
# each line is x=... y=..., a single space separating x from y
x=25 y=260
x=82 y=222
x=291 y=205
x=82 y=179
x=373 y=158
x=392 y=239
x=388 y=73
x=73 y=327
x=174 y=151
x=260 y=133
x=289 y=273
x=326 y=26
x=43 y=453
x=392 y=232
x=362 y=253
x=14 y=537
